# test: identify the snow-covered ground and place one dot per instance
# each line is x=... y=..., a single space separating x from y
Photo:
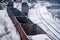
x=40 y=37
x=18 y=6
x=7 y=29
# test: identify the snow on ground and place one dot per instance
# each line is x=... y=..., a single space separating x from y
x=40 y=37
x=7 y=29
x=55 y=15
x=52 y=22
x=17 y=5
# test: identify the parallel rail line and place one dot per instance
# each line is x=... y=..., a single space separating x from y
x=49 y=29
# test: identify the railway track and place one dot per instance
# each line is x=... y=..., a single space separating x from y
x=52 y=28
x=51 y=31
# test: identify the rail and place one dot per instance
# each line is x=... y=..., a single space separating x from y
x=48 y=27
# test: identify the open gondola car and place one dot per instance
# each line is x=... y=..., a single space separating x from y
x=23 y=24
